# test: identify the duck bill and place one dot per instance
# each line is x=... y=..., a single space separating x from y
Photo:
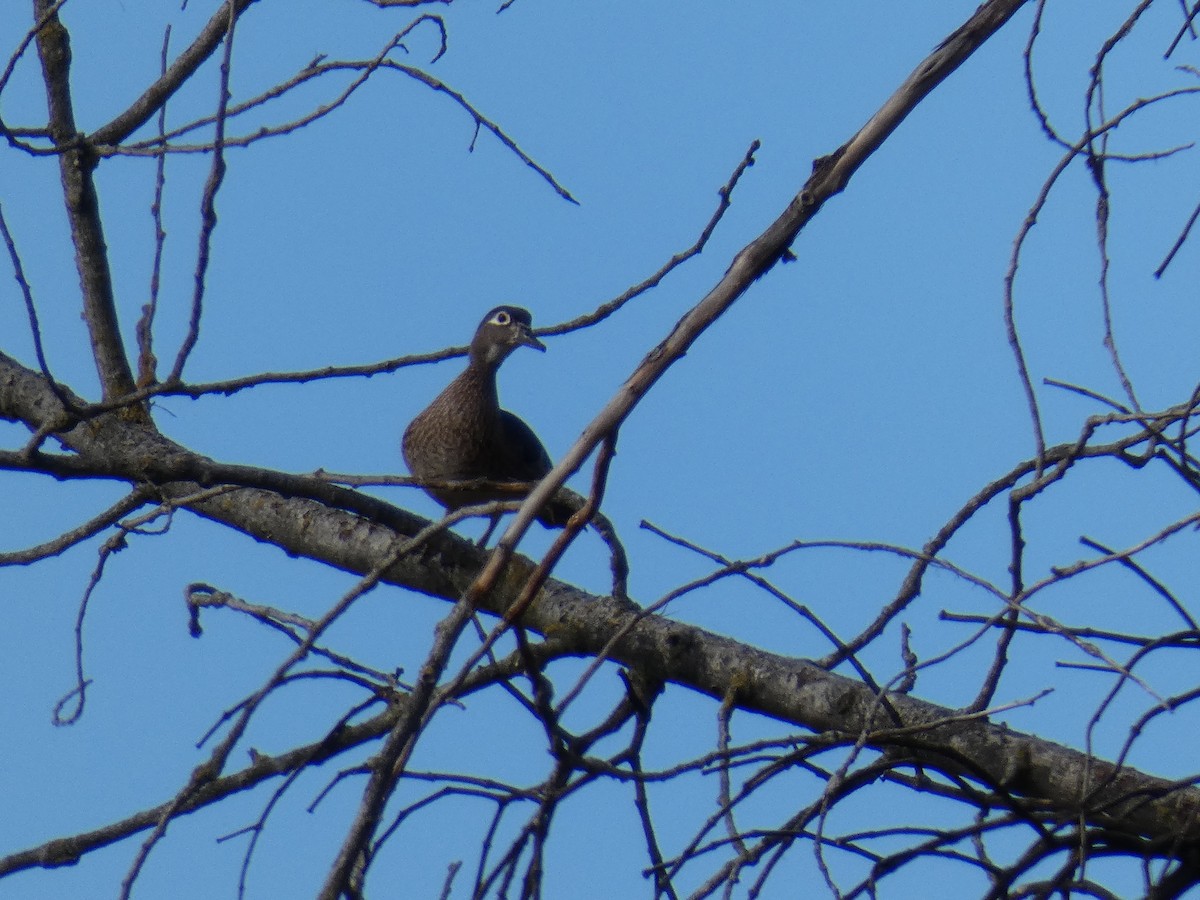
x=530 y=340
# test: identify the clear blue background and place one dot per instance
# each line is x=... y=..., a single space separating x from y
x=863 y=392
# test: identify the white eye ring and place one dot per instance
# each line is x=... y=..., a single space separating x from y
x=501 y=318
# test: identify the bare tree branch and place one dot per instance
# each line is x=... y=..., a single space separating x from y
x=1158 y=810
x=156 y=96
x=1025 y=815
x=77 y=164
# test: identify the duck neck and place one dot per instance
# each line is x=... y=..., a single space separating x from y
x=478 y=380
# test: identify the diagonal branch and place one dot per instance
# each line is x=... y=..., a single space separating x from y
x=1066 y=783
x=155 y=96
x=830 y=176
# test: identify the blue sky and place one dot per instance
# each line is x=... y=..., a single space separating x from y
x=863 y=392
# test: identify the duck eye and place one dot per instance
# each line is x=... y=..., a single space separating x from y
x=501 y=318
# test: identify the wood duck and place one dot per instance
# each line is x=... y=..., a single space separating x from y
x=464 y=435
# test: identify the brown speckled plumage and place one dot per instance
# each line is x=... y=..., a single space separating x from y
x=464 y=435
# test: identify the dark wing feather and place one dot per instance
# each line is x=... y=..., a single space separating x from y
x=527 y=460
x=524 y=458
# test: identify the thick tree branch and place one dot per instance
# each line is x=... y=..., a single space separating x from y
x=77 y=165
x=1065 y=783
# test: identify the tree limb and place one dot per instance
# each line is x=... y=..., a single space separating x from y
x=77 y=164
x=1063 y=783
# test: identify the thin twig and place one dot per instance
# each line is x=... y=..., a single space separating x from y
x=208 y=209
